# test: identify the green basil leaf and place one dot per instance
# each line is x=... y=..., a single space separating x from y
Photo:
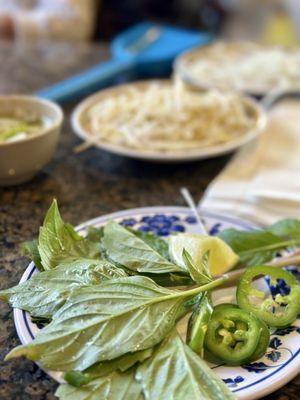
x=59 y=242
x=95 y=234
x=205 y=264
x=115 y=386
x=254 y=247
x=47 y=291
x=30 y=249
x=155 y=242
x=123 y=363
x=105 y=321
x=129 y=250
x=171 y=279
x=176 y=372
x=286 y=228
x=196 y=273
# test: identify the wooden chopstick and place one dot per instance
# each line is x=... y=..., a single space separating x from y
x=82 y=147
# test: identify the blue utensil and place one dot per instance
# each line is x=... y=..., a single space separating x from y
x=144 y=50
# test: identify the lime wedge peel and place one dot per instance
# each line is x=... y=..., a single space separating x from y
x=221 y=257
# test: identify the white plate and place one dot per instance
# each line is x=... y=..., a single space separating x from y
x=234 y=50
x=77 y=119
x=282 y=360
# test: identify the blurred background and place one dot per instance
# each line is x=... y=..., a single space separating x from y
x=267 y=21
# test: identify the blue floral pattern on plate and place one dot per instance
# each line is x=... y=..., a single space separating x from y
x=246 y=381
x=159 y=224
x=165 y=225
x=233 y=382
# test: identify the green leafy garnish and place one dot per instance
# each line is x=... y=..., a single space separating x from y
x=31 y=249
x=286 y=228
x=155 y=242
x=95 y=234
x=47 y=291
x=114 y=386
x=158 y=244
x=59 y=242
x=171 y=279
x=123 y=363
x=200 y=274
x=126 y=248
x=111 y=320
x=176 y=372
x=258 y=246
x=11 y=131
x=106 y=321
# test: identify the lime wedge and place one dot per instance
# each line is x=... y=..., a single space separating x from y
x=221 y=257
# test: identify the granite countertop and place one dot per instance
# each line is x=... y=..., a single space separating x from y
x=90 y=184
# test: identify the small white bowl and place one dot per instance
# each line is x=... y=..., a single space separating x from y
x=20 y=160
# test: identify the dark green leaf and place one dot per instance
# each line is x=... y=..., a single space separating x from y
x=286 y=228
x=47 y=291
x=129 y=250
x=205 y=264
x=176 y=372
x=155 y=242
x=30 y=249
x=254 y=247
x=198 y=274
x=171 y=279
x=40 y=320
x=59 y=242
x=95 y=234
x=115 y=386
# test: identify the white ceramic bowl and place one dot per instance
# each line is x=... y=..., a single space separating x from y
x=22 y=159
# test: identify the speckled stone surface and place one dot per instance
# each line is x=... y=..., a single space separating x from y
x=86 y=185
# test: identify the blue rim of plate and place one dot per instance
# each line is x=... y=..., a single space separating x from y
x=21 y=317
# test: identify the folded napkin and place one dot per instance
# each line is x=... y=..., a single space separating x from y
x=262 y=181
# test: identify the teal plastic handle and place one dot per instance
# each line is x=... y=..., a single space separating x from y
x=86 y=82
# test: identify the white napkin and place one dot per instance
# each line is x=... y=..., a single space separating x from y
x=262 y=181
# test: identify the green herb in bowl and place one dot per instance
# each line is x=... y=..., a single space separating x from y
x=12 y=129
